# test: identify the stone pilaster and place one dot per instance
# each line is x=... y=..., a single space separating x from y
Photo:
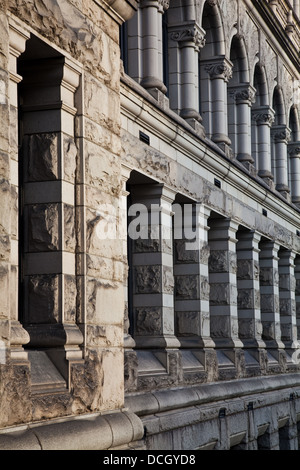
x=287 y=304
x=48 y=173
x=220 y=72
x=243 y=98
x=281 y=137
x=294 y=155
x=152 y=259
x=191 y=253
x=269 y=298
x=264 y=118
x=223 y=290
x=18 y=336
x=186 y=41
x=249 y=314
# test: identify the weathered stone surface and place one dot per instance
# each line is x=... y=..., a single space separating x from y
x=70 y=155
x=222 y=261
x=268 y=276
x=223 y=294
x=43 y=227
x=147 y=279
x=148 y=321
x=182 y=255
x=4 y=289
x=69 y=227
x=269 y=303
x=247 y=269
x=15 y=390
x=70 y=293
x=43 y=299
x=41 y=156
x=187 y=287
x=187 y=323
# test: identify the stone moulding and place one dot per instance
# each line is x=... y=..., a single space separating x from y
x=125 y=9
x=166 y=400
x=95 y=432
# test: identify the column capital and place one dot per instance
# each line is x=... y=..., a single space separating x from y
x=243 y=94
x=264 y=116
x=188 y=34
x=281 y=134
x=161 y=5
x=294 y=149
x=221 y=68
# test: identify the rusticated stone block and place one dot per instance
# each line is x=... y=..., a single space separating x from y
x=182 y=255
x=223 y=294
x=41 y=155
x=148 y=245
x=4 y=289
x=5 y=206
x=70 y=293
x=70 y=154
x=269 y=303
x=245 y=298
x=287 y=282
x=168 y=280
x=222 y=261
x=246 y=328
x=69 y=227
x=247 y=269
x=14 y=208
x=147 y=279
x=268 y=332
x=287 y=306
x=43 y=227
x=220 y=327
x=43 y=299
x=187 y=323
x=148 y=321
x=268 y=276
x=187 y=287
x=15 y=391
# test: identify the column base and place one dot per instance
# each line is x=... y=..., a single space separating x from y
x=19 y=337
x=245 y=158
x=153 y=342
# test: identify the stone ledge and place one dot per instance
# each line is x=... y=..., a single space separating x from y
x=98 y=432
x=164 y=400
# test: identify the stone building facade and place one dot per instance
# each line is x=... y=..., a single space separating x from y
x=150 y=224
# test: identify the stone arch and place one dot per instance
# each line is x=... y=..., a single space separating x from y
x=212 y=24
x=261 y=85
x=279 y=106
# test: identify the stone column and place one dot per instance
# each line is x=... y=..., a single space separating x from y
x=223 y=289
x=220 y=73
x=297 y=294
x=18 y=336
x=191 y=252
x=189 y=39
x=281 y=136
x=130 y=357
x=287 y=304
x=249 y=314
x=264 y=117
x=152 y=259
x=49 y=162
x=269 y=298
x=294 y=155
x=296 y=6
x=152 y=74
x=243 y=98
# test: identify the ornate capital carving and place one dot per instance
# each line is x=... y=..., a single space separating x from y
x=161 y=5
x=263 y=116
x=219 y=70
x=281 y=134
x=294 y=149
x=246 y=94
x=189 y=34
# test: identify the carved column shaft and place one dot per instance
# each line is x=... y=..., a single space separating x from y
x=294 y=155
x=243 y=98
x=220 y=73
x=152 y=75
x=264 y=118
x=188 y=40
x=281 y=137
